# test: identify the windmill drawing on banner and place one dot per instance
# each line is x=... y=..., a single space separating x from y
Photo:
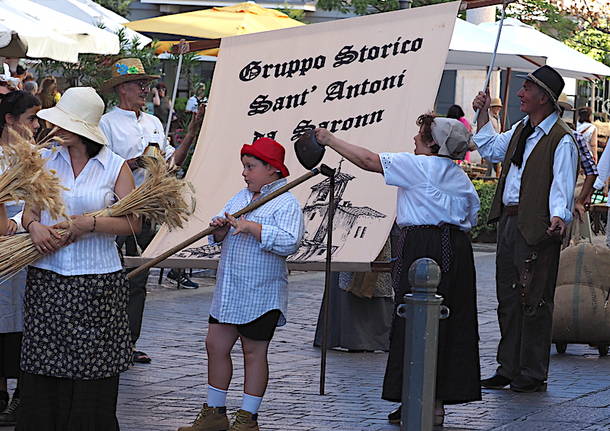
x=351 y=223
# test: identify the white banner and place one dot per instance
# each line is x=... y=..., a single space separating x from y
x=366 y=79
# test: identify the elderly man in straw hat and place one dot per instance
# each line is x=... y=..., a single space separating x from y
x=494 y=114
x=539 y=159
x=129 y=132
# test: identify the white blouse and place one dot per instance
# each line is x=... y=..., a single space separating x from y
x=431 y=191
x=129 y=135
x=92 y=190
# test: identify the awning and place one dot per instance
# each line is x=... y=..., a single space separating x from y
x=216 y=22
x=471 y=48
x=567 y=61
x=96 y=15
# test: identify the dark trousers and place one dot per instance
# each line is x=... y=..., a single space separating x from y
x=525 y=330
x=137 y=284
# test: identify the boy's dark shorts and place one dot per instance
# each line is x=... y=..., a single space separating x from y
x=260 y=329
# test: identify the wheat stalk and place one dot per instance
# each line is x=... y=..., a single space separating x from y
x=161 y=198
x=25 y=176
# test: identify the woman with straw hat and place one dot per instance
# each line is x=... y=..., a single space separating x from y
x=76 y=334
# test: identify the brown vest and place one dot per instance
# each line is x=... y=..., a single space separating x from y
x=536 y=180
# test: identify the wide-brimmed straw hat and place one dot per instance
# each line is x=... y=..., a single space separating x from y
x=78 y=111
x=495 y=102
x=451 y=136
x=269 y=151
x=563 y=102
x=126 y=70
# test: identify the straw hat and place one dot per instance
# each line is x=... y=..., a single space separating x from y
x=78 y=111
x=126 y=70
x=563 y=102
x=495 y=102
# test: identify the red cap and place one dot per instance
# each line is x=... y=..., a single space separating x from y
x=269 y=151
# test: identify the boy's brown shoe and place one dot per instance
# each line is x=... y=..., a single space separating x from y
x=244 y=421
x=209 y=419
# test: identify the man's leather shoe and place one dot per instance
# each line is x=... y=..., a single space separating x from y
x=496 y=382
x=527 y=384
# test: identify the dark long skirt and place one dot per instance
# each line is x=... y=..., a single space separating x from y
x=58 y=404
x=458 y=378
x=10 y=350
x=356 y=323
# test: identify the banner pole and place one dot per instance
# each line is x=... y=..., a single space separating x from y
x=330 y=173
x=210 y=230
x=493 y=57
x=182 y=47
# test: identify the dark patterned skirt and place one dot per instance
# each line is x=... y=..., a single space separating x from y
x=75 y=327
x=458 y=378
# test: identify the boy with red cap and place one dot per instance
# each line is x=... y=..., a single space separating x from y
x=251 y=295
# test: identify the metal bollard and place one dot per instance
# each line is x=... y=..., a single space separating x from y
x=422 y=310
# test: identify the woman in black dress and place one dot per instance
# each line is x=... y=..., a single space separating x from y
x=436 y=206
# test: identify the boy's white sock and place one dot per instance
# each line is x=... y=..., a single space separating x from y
x=251 y=404
x=216 y=397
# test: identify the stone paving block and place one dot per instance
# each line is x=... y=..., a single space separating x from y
x=169 y=391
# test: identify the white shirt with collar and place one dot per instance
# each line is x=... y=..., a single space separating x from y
x=432 y=190
x=493 y=146
x=92 y=190
x=128 y=136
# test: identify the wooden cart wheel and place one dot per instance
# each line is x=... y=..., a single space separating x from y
x=602 y=349
x=561 y=347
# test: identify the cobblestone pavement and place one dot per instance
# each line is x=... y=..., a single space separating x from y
x=168 y=392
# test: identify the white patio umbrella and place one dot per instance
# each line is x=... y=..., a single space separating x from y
x=567 y=61
x=42 y=41
x=89 y=39
x=471 y=48
x=96 y=15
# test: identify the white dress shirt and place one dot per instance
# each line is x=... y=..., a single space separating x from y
x=92 y=190
x=432 y=190
x=493 y=146
x=603 y=169
x=128 y=136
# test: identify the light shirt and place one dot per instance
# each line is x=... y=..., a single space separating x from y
x=252 y=276
x=603 y=167
x=586 y=130
x=129 y=135
x=192 y=104
x=432 y=190
x=92 y=190
x=493 y=146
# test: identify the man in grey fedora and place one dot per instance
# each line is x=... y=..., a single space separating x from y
x=533 y=205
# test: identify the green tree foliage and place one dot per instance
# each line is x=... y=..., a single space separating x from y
x=582 y=24
x=486 y=191
x=119 y=6
x=367 y=7
x=92 y=69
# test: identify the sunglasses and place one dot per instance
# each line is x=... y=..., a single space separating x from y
x=144 y=85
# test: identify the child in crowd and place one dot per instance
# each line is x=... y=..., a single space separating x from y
x=251 y=295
